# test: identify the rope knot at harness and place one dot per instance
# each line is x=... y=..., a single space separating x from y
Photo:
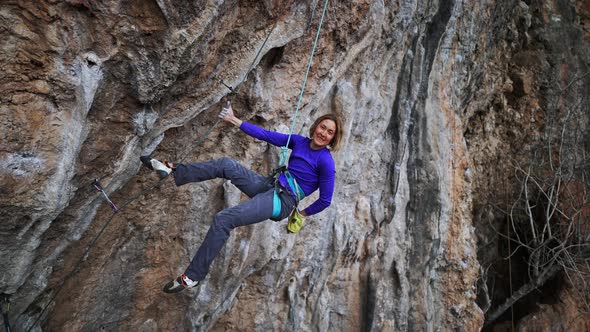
x=283 y=157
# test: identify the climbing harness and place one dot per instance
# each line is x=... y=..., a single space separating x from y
x=5 y=310
x=99 y=188
x=292 y=183
x=295 y=189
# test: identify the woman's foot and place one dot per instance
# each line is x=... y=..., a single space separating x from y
x=162 y=168
x=179 y=284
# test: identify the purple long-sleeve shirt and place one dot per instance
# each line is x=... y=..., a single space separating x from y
x=311 y=168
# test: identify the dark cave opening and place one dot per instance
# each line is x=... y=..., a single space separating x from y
x=273 y=57
x=506 y=275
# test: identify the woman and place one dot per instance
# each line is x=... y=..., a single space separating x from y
x=310 y=164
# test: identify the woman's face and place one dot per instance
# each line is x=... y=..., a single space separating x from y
x=323 y=134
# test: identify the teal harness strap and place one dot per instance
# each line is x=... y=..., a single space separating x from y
x=294 y=186
x=276 y=206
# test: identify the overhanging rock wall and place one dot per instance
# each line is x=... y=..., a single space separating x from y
x=88 y=87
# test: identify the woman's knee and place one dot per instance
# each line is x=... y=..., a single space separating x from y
x=226 y=162
x=222 y=223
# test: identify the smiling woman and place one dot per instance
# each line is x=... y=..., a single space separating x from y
x=311 y=167
x=326 y=131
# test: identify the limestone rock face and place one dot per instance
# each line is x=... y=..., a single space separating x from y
x=431 y=93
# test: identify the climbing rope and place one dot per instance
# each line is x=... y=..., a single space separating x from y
x=116 y=209
x=284 y=149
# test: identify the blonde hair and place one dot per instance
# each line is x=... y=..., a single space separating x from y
x=336 y=141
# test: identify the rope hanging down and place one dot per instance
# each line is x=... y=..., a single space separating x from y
x=116 y=209
x=284 y=149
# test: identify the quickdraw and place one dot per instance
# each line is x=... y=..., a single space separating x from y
x=99 y=188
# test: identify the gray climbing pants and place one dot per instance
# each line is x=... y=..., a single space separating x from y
x=258 y=208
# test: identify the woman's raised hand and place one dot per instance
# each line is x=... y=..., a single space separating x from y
x=227 y=115
x=227 y=112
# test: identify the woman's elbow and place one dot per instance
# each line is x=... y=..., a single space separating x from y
x=326 y=202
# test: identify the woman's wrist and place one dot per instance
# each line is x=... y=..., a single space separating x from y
x=235 y=121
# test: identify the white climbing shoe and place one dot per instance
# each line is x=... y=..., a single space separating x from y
x=162 y=170
x=160 y=167
x=179 y=284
